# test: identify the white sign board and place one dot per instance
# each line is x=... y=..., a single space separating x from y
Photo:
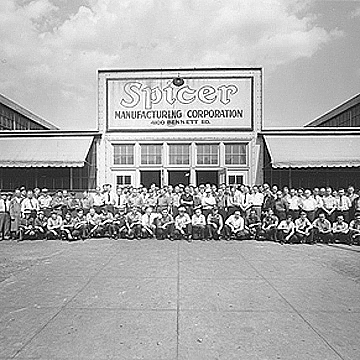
x=214 y=102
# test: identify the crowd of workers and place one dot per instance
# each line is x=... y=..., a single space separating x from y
x=206 y=212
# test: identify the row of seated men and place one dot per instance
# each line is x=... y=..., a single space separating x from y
x=199 y=226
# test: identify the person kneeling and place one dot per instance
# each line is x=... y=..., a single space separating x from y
x=182 y=225
x=198 y=223
x=322 y=229
x=269 y=226
x=340 y=231
x=54 y=225
x=68 y=227
x=215 y=224
x=235 y=227
x=165 y=226
x=148 y=226
x=286 y=231
x=27 y=229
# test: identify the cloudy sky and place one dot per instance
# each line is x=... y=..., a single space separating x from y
x=50 y=50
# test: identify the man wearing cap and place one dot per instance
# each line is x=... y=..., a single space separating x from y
x=4 y=217
x=182 y=225
x=198 y=222
x=45 y=202
x=27 y=229
x=15 y=214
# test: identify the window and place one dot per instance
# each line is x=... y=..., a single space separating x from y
x=207 y=154
x=179 y=154
x=124 y=154
x=151 y=154
x=235 y=154
x=236 y=179
x=123 y=180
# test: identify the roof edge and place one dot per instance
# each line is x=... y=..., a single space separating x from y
x=27 y=113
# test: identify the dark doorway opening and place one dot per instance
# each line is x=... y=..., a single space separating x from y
x=205 y=176
x=179 y=177
x=150 y=177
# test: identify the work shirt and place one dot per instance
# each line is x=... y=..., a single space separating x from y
x=340 y=227
x=45 y=201
x=257 y=199
x=4 y=205
x=294 y=203
x=93 y=219
x=343 y=203
x=309 y=204
x=303 y=224
x=329 y=202
x=236 y=223
x=215 y=219
x=29 y=204
x=53 y=224
x=98 y=199
x=182 y=220
x=287 y=227
x=133 y=218
x=208 y=202
x=322 y=225
x=148 y=219
x=198 y=220
x=168 y=219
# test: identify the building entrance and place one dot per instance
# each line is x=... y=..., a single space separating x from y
x=150 y=177
x=207 y=176
x=179 y=177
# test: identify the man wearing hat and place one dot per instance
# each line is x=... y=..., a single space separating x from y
x=182 y=225
x=27 y=228
x=4 y=217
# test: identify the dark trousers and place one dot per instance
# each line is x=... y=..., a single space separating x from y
x=281 y=236
x=198 y=232
x=237 y=234
x=322 y=237
x=187 y=232
x=5 y=222
x=163 y=233
x=212 y=232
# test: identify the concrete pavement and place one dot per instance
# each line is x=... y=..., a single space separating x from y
x=104 y=299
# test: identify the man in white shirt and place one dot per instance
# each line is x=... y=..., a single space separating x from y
x=198 y=223
x=235 y=227
x=182 y=228
x=30 y=203
x=4 y=217
x=343 y=205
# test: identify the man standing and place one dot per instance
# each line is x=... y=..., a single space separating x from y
x=343 y=205
x=30 y=203
x=15 y=214
x=4 y=217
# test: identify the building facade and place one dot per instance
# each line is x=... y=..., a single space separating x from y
x=187 y=126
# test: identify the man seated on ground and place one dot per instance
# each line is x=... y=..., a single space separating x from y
x=106 y=225
x=253 y=224
x=322 y=229
x=182 y=225
x=354 y=228
x=54 y=225
x=27 y=228
x=286 y=230
x=67 y=227
x=165 y=225
x=235 y=227
x=133 y=221
x=93 y=222
x=80 y=226
x=340 y=230
x=148 y=223
x=198 y=223
x=215 y=224
x=120 y=226
x=269 y=226
x=40 y=224
x=303 y=229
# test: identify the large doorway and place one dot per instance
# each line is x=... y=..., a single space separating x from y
x=150 y=177
x=207 y=176
x=178 y=177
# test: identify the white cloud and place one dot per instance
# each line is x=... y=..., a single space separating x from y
x=59 y=58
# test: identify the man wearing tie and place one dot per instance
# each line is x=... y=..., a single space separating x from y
x=4 y=217
x=30 y=203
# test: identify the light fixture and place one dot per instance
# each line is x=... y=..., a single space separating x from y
x=178 y=81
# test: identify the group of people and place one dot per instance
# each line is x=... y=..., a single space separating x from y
x=204 y=212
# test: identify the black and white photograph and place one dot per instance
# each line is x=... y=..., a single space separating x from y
x=180 y=179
